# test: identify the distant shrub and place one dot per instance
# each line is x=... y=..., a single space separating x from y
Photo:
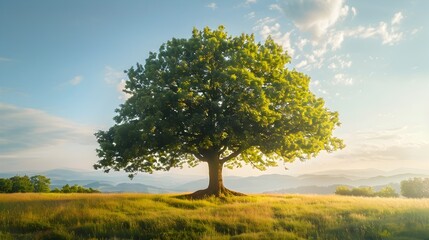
x=415 y=188
x=363 y=191
x=387 y=192
x=38 y=183
x=74 y=189
x=343 y=190
x=366 y=192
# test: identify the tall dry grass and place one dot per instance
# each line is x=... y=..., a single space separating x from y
x=143 y=216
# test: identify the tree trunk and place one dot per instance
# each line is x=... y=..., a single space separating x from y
x=216 y=187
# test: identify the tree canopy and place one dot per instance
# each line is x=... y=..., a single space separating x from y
x=219 y=99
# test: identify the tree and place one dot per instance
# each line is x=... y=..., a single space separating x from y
x=21 y=184
x=218 y=99
x=5 y=185
x=66 y=189
x=40 y=183
x=415 y=188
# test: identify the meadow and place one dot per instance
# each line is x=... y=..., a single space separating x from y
x=168 y=216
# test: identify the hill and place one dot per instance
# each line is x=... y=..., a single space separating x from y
x=315 y=183
x=142 y=216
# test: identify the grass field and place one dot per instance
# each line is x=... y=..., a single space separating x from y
x=142 y=216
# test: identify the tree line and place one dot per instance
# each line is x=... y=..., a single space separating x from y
x=411 y=188
x=39 y=184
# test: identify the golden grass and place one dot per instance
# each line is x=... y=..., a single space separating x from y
x=167 y=216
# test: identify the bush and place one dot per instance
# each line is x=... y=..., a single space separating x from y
x=415 y=188
x=387 y=192
x=343 y=190
x=38 y=183
x=363 y=191
x=366 y=192
x=74 y=189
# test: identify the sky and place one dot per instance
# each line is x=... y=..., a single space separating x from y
x=62 y=63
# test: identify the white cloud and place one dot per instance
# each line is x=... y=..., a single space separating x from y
x=118 y=78
x=397 y=18
x=24 y=128
x=301 y=43
x=335 y=40
x=396 y=148
x=275 y=7
x=340 y=62
x=212 y=5
x=120 y=87
x=76 y=80
x=354 y=11
x=345 y=63
x=250 y=15
x=389 y=34
x=315 y=16
x=315 y=83
x=250 y=2
x=332 y=66
x=301 y=64
x=31 y=139
x=319 y=18
x=113 y=76
x=416 y=30
x=342 y=79
x=269 y=27
x=4 y=59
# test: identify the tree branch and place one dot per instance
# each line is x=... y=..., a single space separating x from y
x=198 y=156
x=233 y=155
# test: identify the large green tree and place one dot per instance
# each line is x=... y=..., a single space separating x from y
x=218 y=99
x=21 y=184
x=41 y=183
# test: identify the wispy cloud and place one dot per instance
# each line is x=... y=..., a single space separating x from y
x=5 y=59
x=318 y=35
x=120 y=87
x=32 y=139
x=270 y=27
x=340 y=62
x=117 y=78
x=250 y=15
x=342 y=79
x=24 y=128
x=76 y=80
x=212 y=5
x=388 y=33
x=387 y=149
x=113 y=76
x=397 y=18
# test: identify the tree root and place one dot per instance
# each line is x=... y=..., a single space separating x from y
x=206 y=193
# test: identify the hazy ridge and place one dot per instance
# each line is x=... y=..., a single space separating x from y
x=316 y=183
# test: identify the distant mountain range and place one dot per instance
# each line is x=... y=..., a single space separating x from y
x=316 y=183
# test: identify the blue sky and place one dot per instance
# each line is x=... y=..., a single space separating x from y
x=62 y=62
